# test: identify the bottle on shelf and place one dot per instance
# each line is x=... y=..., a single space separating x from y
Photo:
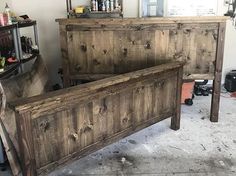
x=103 y=5
x=112 y=5
x=2 y=63
x=116 y=5
x=96 y=5
x=108 y=5
x=93 y=5
x=8 y=12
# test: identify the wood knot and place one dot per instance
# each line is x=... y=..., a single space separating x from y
x=78 y=67
x=139 y=89
x=44 y=125
x=173 y=32
x=178 y=55
x=139 y=28
x=69 y=27
x=125 y=52
x=180 y=25
x=103 y=109
x=187 y=31
x=74 y=136
x=95 y=61
x=125 y=120
x=215 y=36
x=88 y=128
x=103 y=25
x=147 y=45
x=159 y=84
x=70 y=37
x=83 y=48
x=105 y=51
x=198 y=67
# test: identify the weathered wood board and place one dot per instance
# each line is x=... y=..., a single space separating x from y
x=98 y=48
x=60 y=126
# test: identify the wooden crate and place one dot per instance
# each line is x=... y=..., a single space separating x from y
x=97 y=48
x=70 y=123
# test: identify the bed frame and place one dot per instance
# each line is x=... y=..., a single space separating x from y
x=68 y=124
x=96 y=48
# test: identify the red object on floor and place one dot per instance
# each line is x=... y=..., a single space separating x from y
x=187 y=91
x=233 y=94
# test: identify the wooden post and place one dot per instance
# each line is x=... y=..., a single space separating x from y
x=175 y=120
x=25 y=138
x=65 y=59
x=215 y=103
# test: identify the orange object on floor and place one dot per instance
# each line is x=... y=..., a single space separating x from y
x=187 y=91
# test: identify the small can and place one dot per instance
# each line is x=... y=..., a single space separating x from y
x=116 y=4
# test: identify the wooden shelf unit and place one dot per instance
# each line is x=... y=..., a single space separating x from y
x=15 y=31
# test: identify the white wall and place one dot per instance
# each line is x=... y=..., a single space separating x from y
x=46 y=11
x=3 y=3
x=230 y=42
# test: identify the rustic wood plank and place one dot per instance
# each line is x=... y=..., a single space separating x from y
x=78 y=49
x=148 y=101
x=10 y=151
x=163 y=20
x=76 y=124
x=96 y=146
x=126 y=110
x=99 y=119
x=26 y=144
x=64 y=52
x=175 y=121
x=138 y=104
x=84 y=128
x=58 y=96
x=161 y=46
x=91 y=76
x=215 y=103
x=116 y=113
x=102 y=52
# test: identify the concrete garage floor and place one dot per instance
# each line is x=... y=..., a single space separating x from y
x=199 y=148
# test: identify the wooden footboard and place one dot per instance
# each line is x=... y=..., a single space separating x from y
x=68 y=124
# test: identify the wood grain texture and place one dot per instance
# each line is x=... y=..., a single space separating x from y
x=10 y=151
x=26 y=143
x=141 y=43
x=98 y=48
x=60 y=126
x=165 y=20
x=215 y=103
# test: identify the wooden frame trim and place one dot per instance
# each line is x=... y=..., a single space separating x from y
x=175 y=120
x=164 y=20
x=26 y=144
x=215 y=103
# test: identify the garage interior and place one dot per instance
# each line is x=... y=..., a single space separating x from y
x=115 y=87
